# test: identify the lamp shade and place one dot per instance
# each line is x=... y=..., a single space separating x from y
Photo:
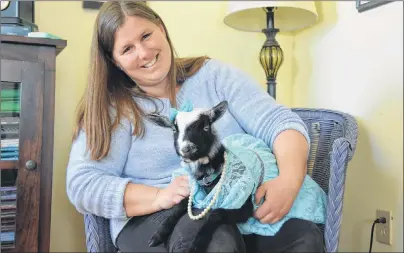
x=288 y=15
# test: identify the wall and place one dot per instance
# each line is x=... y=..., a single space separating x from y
x=69 y=21
x=353 y=62
x=196 y=28
x=363 y=76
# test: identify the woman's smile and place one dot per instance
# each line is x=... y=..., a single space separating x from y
x=152 y=63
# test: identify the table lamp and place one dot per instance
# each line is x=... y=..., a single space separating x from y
x=270 y=17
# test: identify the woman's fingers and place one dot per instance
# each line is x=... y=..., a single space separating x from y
x=183 y=191
x=263 y=210
x=270 y=218
x=177 y=199
x=181 y=181
x=184 y=184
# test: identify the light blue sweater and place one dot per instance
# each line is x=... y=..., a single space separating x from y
x=98 y=186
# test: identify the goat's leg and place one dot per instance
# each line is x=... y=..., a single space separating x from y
x=217 y=217
x=204 y=236
x=240 y=215
x=170 y=219
x=193 y=236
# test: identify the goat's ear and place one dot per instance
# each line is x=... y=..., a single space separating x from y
x=216 y=112
x=160 y=120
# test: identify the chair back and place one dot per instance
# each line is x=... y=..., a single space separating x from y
x=325 y=127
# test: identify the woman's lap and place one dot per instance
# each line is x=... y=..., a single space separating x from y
x=135 y=235
x=295 y=236
x=226 y=237
x=137 y=232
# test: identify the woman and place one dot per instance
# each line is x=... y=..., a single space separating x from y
x=120 y=164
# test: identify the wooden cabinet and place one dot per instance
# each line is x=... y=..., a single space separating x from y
x=27 y=126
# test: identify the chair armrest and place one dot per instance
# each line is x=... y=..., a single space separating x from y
x=98 y=237
x=351 y=134
x=340 y=156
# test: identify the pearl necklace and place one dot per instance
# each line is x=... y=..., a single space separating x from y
x=212 y=202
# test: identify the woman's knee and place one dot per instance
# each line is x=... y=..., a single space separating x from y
x=227 y=238
x=307 y=237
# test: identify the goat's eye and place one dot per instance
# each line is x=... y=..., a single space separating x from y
x=206 y=128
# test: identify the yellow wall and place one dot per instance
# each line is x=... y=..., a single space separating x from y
x=66 y=20
x=354 y=63
x=196 y=28
x=363 y=76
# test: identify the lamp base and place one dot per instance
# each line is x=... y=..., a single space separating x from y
x=271 y=87
x=271 y=55
x=271 y=59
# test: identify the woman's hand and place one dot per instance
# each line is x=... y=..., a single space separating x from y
x=290 y=149
x=173 y=193
x=280 y=193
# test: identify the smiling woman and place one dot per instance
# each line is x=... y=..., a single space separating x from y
x=132 y=56
x=120 y=165
x=142 y=51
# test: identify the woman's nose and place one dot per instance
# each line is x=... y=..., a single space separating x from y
x=144 y=53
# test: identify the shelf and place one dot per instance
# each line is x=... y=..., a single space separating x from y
x=8 y=165
x=8 y=216
x=14 y=39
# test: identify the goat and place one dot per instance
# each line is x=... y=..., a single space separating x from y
x=197 y=143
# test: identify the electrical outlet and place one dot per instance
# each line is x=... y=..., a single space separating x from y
x=383 y=231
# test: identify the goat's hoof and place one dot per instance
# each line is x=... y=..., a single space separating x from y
x=155 y=240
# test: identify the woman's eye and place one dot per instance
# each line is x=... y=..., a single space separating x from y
x=127 y=49
x=147 y=35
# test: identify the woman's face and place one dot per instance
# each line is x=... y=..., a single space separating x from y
x=141 y=50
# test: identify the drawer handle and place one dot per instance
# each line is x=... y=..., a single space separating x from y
x=30 y=165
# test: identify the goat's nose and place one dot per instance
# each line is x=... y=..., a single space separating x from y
x=186 y=149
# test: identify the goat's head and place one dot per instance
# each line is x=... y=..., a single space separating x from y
x=195 y=137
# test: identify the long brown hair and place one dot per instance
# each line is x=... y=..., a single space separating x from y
x=110 y=88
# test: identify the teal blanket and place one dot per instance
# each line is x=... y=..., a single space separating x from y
x=249 y=162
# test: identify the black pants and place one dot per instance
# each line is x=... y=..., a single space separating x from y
x=296 y=235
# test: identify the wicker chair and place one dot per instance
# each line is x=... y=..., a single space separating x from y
x=333 y=141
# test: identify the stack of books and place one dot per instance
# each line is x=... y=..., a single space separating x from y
x=9 y=138
x=9 y=144
x=10 y=121
x=10 y=100
x=8 y=213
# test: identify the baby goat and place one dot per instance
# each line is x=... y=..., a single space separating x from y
x=197 y=143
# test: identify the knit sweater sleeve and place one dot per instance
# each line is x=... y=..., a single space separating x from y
x=254 y=109
x=96 y=186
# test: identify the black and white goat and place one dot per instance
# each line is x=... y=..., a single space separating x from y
x=196 y=141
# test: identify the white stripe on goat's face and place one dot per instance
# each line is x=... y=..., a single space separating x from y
x=196 y=138
x=183 y=121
